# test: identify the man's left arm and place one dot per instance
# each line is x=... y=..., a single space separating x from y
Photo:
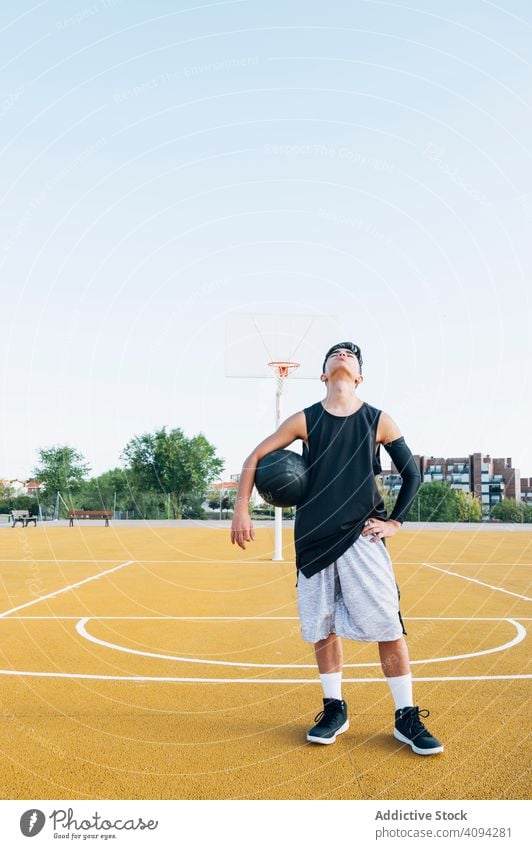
x=389 y=435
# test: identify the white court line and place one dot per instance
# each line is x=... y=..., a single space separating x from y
x=287 y=561
x=54 y=560
x=99 y=560
x=65 y=589
x=82 y=631
x=274 y=618
x=188 y=618
x=462 y=563
x=129 y=678
x=476 y=581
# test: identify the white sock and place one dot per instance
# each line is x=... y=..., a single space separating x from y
x=401 y=690
x=332 y=685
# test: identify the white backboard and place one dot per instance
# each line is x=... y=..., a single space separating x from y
x=255 y=339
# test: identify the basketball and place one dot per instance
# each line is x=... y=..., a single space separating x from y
x=281 y=478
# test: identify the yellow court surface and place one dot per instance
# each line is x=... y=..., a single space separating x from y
x=164 y=663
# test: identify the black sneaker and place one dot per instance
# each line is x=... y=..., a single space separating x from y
x=410 y=730
x=331 y=721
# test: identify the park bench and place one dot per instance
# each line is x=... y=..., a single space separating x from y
x=22 y=516
x=89 y=514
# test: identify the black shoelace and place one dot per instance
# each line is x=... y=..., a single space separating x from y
x=327 y=713
x=413 y=722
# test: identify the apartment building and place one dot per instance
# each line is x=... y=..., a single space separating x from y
x=490 y=479
x=526 y=490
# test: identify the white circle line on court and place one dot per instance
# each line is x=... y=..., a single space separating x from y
x=83 y=632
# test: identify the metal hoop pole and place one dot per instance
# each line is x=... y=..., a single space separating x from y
x=278 y=549
x=282 y=370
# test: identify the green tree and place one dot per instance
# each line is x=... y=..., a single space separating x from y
x=193 y=506
x=388 y=497
x=220 y=502
x=168 y=462
x=435 y=502
x=508 y=510
x=6 y=491
x=469 y=507
x=527 y=512
x=213 y=498
x=99 y=492
x=224 y=499
x=20 y=502
x=147 y=505
x=61 y=469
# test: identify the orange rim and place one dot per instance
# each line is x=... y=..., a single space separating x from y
x=283 y=367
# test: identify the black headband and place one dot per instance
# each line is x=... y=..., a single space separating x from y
x=350 y=346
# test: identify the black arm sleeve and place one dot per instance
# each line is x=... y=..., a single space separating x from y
x=407 y=468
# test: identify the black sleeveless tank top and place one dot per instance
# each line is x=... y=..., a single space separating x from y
x=342 y=491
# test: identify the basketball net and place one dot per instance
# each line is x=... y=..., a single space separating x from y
x=281 y=369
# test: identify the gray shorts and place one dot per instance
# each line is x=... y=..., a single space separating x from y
x=355 y=597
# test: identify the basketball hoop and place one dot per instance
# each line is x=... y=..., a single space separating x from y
x=282 y=368
x=262 y=345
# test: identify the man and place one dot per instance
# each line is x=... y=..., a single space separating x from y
x=346 y=586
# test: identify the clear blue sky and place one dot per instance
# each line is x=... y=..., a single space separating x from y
x=165 y=163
